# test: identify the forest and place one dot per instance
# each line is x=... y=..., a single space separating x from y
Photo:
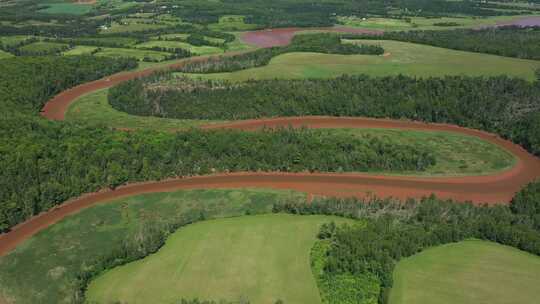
x=260 y=13
x=511 y=41
x=319 y=43
x=506 y=106
x=45 y=163
x=394 y=230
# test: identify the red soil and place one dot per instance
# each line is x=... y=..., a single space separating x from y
x=283 y=36
x=490 y=188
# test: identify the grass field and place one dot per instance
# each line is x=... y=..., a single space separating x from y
x=232 y=23
x=95 y=109
x=131 y=27
x=199 y=50
x=41 y=47
x=67 y=8
x=400 y=58
x=473 y=157
x=422 y=23
x=43 y=269
x=80 y=50
x=470 y=272
x=5 y=55
x=14 y=40
x=261 y=258
x=123 y=41
x=139 y=54
x=456 y=154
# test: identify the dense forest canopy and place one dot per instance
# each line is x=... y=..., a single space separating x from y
x=507 y=106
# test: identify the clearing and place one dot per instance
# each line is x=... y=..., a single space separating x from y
x=470 y=272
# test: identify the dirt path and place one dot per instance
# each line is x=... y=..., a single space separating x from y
x=479 y=189
x=283 y=36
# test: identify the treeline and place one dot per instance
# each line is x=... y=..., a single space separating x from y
x=506 y=106
x=394 y=230
x=320 y=43
x=26 y=83
x=511 y=41
x=305 y=13
x=45 y=163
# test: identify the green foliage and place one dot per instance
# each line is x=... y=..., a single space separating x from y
x=504 y=41
x=46 y=163
x=343 y=288
x=396 y=230
x=54 y=265
x=238 y=258
x=506 y=106
x=320 y=43
x=25 y=82
x=527 y=204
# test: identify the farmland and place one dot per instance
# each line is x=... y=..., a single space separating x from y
x=400 y=58
x=66 y=8
x=43 y=47
x=199 y=50
x=422 y=23
x=467 y=272
x=201 y=260
x=103 y=226
x=138 y=54
x=4 y=54
x=285 y=151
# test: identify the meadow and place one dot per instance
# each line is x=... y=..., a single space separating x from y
x=66 y=9
x=43 y=47
x=14 y=40
x=135 y=53
x=232 y=23
x=423 y=23
x=80 y=50
x=470 y=272
x=261 y=258
x=199 y=50
x=30 y=274
x=399 y=58
x=5 y=55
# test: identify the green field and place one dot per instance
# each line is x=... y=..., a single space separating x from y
x=474 y=156
x=456 y=154
x=470 y=272
x=422 y=23
x=232 y=23
x=131 y=27
x=5 y=55
x=261 y=258
x=14 y=40
x=80 y=50
x=124 y=41
x=67 y=8
x=41 y=47
x=400 y=58
x=199 y=50
x=95 y=109
x=135 y=53
x=43 y=269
